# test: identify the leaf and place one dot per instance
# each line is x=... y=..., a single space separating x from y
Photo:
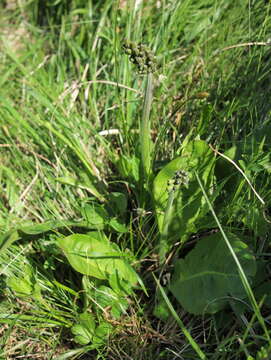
x=95 y=215
x=84 y=329
x=225 y=170
x=121 y=286
x=24 y=284
x=20 y=286
x=116 y=225
x=11 y=236
x=129 y=167
x=7 y=239
x=189 y=206
x=94 y=255
x=254 y=220
x=106 y=297
x=101 y=333
x=12 y=190
x=204 y=279
x=76 y=148
x=36 y=229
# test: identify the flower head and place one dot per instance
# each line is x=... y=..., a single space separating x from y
x=141 y=56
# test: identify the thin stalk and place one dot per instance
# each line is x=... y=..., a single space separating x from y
x=163 y=244
x=185 y=331
x=145 y=136
x=242 y=274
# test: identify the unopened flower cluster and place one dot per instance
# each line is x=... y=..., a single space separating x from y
x=141 y=56
x=180 y=178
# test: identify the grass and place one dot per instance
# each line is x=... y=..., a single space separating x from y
x=83 y=135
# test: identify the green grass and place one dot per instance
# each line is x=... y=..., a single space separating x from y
x=82 y=137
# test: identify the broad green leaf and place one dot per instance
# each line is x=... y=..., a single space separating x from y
x=82 y=181
x=105 y=296
x=25 y=285
x=10 y=237
x=262 y=283
x=84 y=329
x=20 y=286
x=121 y=286
x=225 y=170
x=71 y=143
x=101 y=333
x=12 y=190
x=116 y=225
x=205 y=279
x=254 y=220
x=189 y=205
x=95 y=215
x=161 y=310
x=94 y=255
x=36 y=229
x=7 y=239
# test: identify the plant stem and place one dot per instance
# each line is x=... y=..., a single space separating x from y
x=145 y=137
x=163 y=244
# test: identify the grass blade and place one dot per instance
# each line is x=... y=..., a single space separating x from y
x=185 y=331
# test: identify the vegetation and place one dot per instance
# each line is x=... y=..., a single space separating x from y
x=135 y=179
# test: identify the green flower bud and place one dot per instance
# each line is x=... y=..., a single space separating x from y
x=141 y=56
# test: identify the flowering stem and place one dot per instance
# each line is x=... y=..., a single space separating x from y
x=143 y=58
x=145 y=136
x=164 y=243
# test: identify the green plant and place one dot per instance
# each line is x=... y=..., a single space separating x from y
x=207 y=278
x=145 y=62
x=109 y=175
x=182 y=211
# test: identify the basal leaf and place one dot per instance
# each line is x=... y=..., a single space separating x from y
x=189 y=206
x=264 y=291
x=20 y=286
x=92 y=254
x=121 y=286
x=101 y=333
x=95 y=215
x=129 y=167
x=205 y=279
x=106 y=297
x=50 y=225
x=84 y=329
x=36 y=229
x=7 y=239
x=118 y=226
x=24 y=283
